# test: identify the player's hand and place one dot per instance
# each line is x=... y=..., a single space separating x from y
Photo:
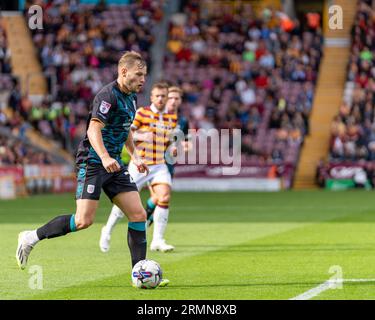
x=141 y=166
x=174 y=151
x=110 y=165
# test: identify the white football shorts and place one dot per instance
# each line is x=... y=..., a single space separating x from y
x=159 y=174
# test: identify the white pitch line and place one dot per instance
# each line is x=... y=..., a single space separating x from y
x=359 y=280
x=314 y=291
x=329 y=284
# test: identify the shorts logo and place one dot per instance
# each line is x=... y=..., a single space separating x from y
x=90 y=188
x=104 y=107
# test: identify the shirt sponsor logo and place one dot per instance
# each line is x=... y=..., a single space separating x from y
x=104 y=107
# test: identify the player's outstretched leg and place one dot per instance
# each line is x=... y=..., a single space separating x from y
x=105 y=237
x=57 y=227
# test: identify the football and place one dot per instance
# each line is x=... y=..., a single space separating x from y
x=146 y=274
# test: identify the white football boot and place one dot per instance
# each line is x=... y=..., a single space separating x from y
x=161 y=245
x=23 y=250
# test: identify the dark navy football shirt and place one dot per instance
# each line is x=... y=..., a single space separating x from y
x=116 y=110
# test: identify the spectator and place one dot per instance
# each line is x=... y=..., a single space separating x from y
x=353 y=129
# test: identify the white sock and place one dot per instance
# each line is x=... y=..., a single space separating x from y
x=160 y=222
x=115 y=216
x=32 y=238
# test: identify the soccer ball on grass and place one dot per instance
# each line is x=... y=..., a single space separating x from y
x=146 y=274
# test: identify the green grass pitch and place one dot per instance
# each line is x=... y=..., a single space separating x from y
x=228 y=246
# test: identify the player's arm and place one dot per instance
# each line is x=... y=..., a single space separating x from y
x=173 y=142
x=94 y=133
x=129 y=144
x=103 y=104
x=172 y=147
x=186 y=143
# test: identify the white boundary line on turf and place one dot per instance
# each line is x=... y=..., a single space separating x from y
x=329 y=284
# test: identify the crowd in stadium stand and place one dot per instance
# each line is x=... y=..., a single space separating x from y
x=79 y=47
x=5 y=67
x=6 y=82
x=353 y=129
x=52 y=119
x=239 y=70
x=17 y=153
x=14 y=152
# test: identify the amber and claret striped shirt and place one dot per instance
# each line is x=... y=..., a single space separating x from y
x=162 y=125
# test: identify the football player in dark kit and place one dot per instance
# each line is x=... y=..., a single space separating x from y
x=99 y=165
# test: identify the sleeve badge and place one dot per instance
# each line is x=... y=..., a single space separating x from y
x=104 y=107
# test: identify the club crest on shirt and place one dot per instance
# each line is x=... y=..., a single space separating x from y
x=104 y=107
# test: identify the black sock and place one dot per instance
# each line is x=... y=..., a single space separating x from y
x=137 y=241
x=57 y=227
x=149 y=212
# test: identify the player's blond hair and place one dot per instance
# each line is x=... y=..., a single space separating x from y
x=175 y=89
x=160 y=85
x=130 y=58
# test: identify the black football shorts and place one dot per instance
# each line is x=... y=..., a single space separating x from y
x=91 y=178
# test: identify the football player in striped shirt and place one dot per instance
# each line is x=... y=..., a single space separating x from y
x=173 y=104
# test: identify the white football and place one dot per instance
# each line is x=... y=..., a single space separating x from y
x=146 y=274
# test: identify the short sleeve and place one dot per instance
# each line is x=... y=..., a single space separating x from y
x=104 y=103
